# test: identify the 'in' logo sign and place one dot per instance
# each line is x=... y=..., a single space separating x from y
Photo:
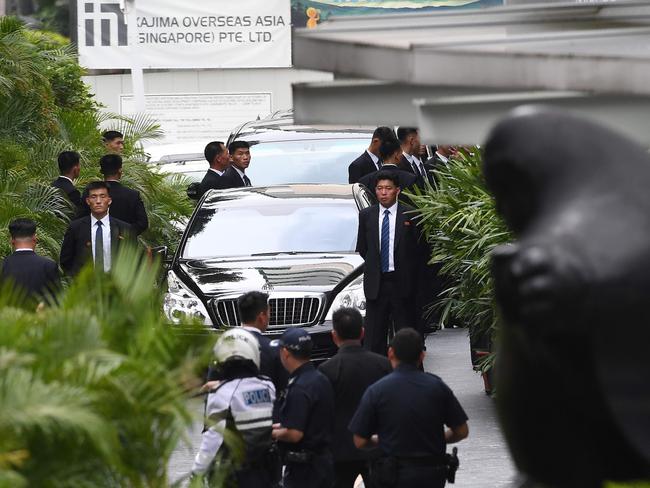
x=111 y=18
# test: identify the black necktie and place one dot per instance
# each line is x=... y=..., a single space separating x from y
x=247 y=182
x=416 y=168
x=99 y=247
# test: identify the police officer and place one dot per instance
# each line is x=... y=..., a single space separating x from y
x=405 y=414
x=243 y=404
x=305 y=416
x=351 y=371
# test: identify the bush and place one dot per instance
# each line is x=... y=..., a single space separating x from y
x=93 y=389
x=460 y=223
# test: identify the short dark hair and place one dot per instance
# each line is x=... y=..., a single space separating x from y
x=407 y=345
x=97 y=185
x=110 y=164
x=68 y=160
x=382 y=133
x=347 y=323
x=386 y=174
x=388 y=147
x=404 y=132
x=234 y=145
x=109 y=135
x=213 y=149
x=21 y=228
x=251 y=304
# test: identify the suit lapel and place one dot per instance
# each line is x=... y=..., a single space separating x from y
x=399 y=225
x=115 y=232
x=374 y=226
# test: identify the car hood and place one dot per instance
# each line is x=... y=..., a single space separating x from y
x=282 y=273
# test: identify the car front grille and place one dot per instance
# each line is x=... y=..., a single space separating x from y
x=286 y=311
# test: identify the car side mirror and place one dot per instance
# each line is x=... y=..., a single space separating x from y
x=161 y=252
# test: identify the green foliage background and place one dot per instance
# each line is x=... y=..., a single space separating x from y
x=93 y=388
x=46 y=108
x=461 y=225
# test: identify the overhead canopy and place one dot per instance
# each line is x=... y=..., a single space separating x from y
x=456 y=72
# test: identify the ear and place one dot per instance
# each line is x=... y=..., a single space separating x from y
x=391 y=354
x=363 y=333
x=422 y=354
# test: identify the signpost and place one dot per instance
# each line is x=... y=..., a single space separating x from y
x=188 y=34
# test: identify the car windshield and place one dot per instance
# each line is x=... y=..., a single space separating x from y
x=297 y=226
x=306 y=161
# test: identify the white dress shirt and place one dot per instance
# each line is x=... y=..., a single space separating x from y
x=375 y=159
x=441 y=157
x=216 y=171
x=63 y=176
x=392 y=217
x=106 y=235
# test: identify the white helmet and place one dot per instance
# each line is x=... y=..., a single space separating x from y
x=237 y=343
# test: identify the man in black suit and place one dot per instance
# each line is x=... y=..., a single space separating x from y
x=369 y=161
x=96 y=237
x=351 y=371
x=410 y=161
x=388 y=241
x=240 y=159
x=126 y=203
x=390 y=152
x=36 y=275
x=69 y=167
x=217 y=155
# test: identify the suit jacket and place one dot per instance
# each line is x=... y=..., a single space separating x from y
x=69 y=189
x=361 y=166
x=126 y=206
x=407 y=181
x=405 y=165
x=210 y=181
x=351 y=371
x=408 y=255
x=231 y=179
x=76 y=249
x=37 y=275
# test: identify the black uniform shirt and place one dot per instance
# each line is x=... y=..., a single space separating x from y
x=351 y=371
x=408 y=409
x=308 y=407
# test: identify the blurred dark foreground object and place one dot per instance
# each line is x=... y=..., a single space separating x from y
x=574 y=293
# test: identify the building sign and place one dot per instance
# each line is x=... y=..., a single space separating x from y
x=187 y=34
x=309 y=13
x=200 y=116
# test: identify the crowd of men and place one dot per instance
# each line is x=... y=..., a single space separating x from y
x=93 y=235
x=369 y=411
x=358 y=414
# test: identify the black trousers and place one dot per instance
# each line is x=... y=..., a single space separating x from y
x=420 y=477
x=346 y=473
x=389 y=309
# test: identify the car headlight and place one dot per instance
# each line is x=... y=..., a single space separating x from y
x=181 y=302
x=350 y=296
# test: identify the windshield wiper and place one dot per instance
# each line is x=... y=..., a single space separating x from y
x=291 y=253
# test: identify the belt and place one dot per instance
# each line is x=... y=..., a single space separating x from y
x=432 y=461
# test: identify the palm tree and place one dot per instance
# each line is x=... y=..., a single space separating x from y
x=93 y=387
x=45 y=108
